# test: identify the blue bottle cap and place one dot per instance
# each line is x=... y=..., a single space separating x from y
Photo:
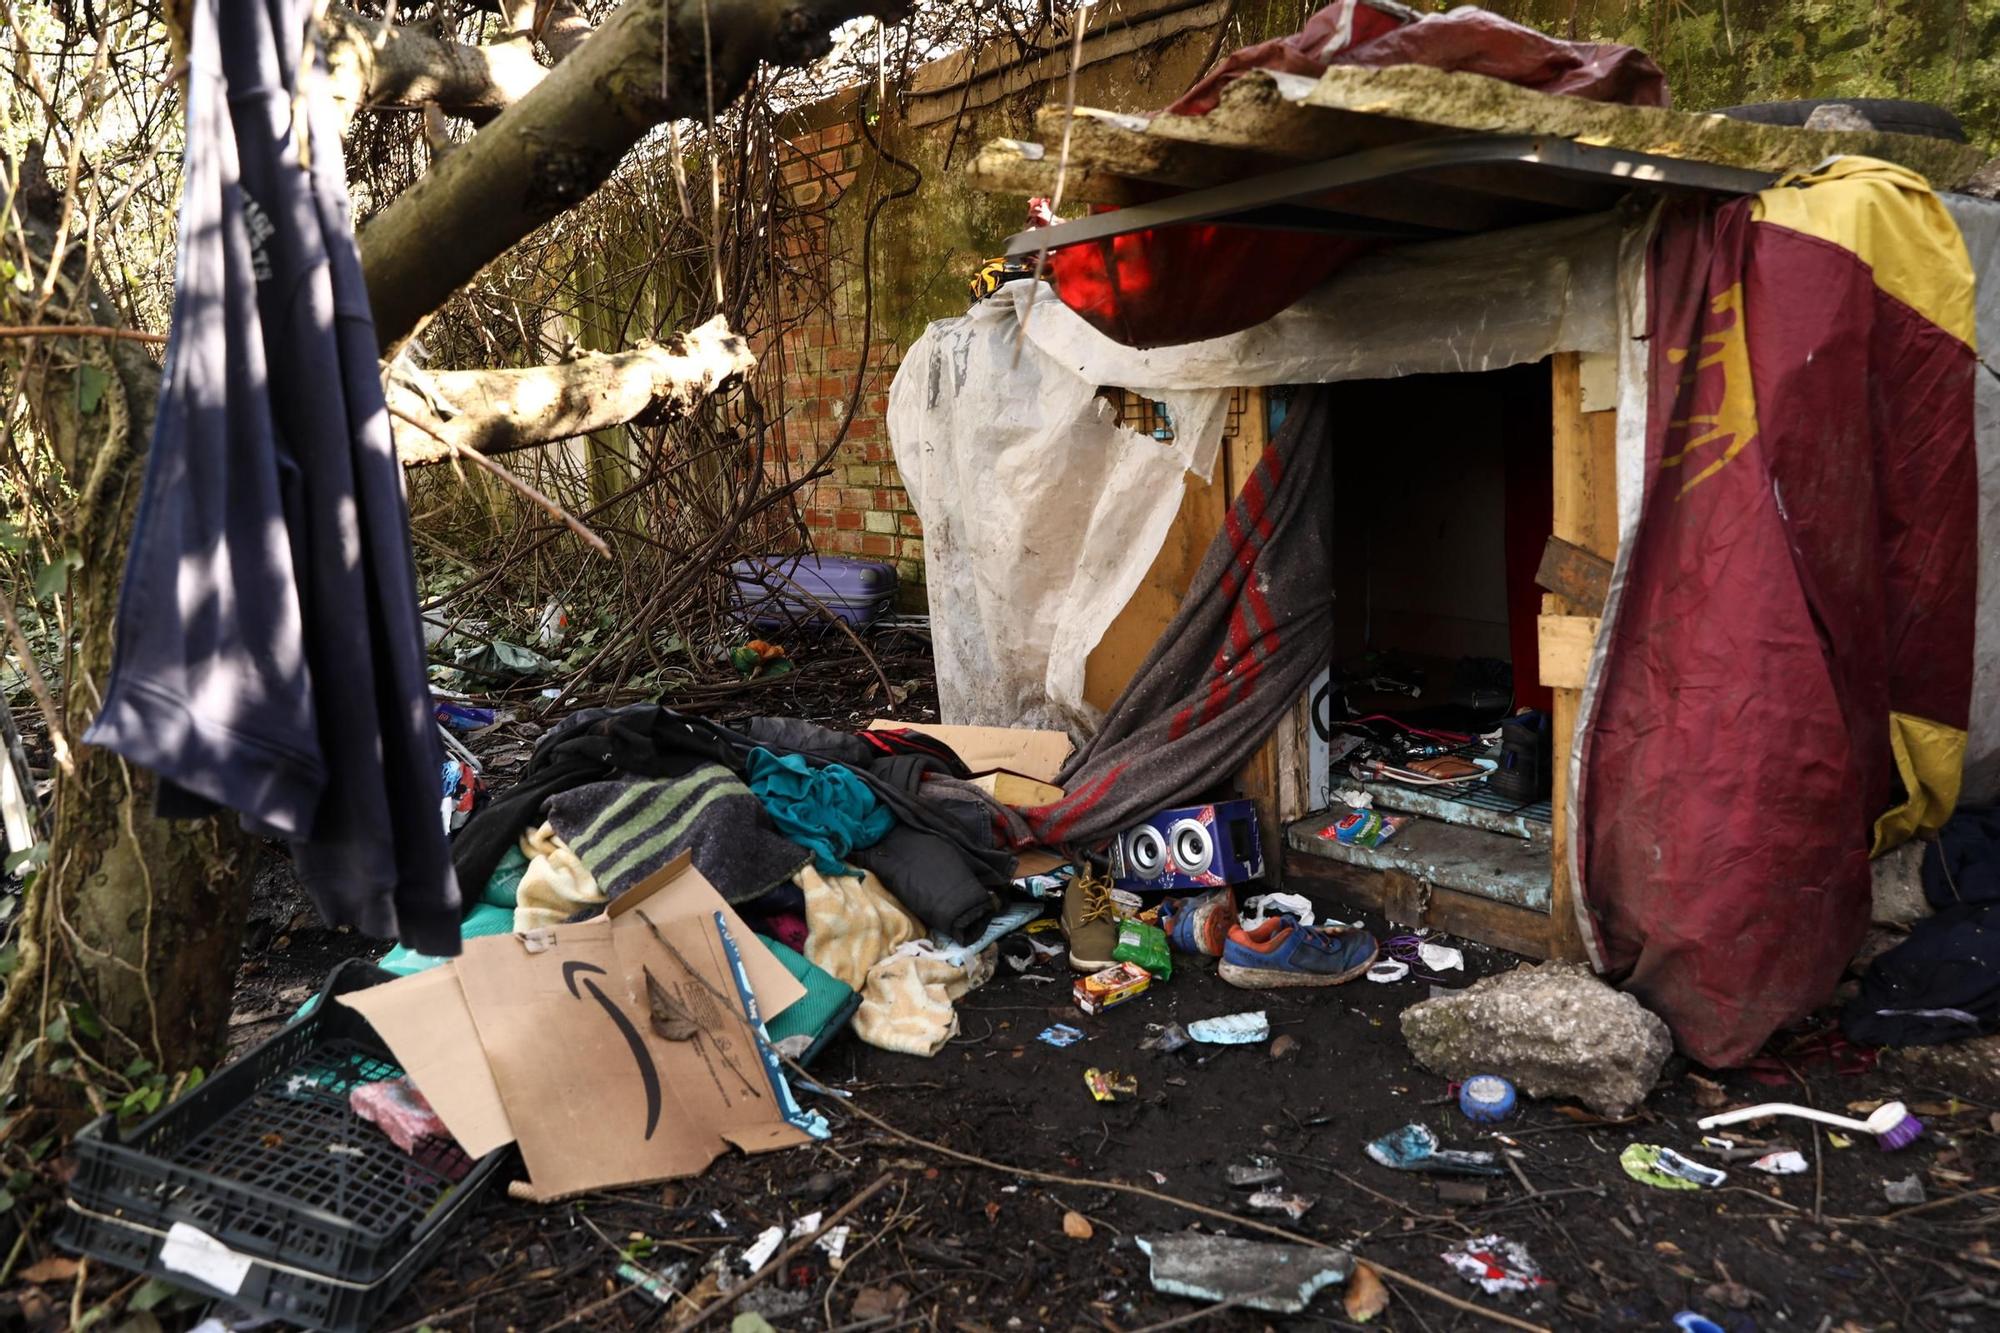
x=1486 y=1098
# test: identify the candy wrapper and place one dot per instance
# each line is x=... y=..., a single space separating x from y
x=1114 y=985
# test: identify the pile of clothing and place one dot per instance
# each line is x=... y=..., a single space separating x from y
x=1943 y=983
x=868 y=862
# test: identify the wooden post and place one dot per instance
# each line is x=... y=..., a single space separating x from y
x=1586 y=514
x=1275 y=776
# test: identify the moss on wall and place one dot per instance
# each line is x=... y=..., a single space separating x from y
x=1716 y=53
x=1726 y=52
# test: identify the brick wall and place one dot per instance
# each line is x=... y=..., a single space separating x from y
x=1137 y=54
x=860 y=508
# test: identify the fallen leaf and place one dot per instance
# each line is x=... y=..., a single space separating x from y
x=1993 y=1122
x=668 y=1018
x=55 y=1268
x=1366 y=1296
x=1732 y=1294
x=1946 y=1109
x=878 y=1302
x=993 y=1210
x=1839 y=1140
x=1708 y=1094
x=1665 y=1247
x=1077 y=1227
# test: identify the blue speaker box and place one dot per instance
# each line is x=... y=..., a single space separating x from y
x=1190 y=847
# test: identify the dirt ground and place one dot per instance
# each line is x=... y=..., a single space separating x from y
x=949 y=1246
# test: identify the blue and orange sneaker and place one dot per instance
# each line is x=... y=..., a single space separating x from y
x=1281 y=952
x=1200 y=925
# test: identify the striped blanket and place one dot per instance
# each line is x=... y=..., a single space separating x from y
x=625 y=830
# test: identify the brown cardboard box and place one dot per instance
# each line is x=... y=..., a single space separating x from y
x=549 y=1041
x=1015 y=790
x=1035 y=754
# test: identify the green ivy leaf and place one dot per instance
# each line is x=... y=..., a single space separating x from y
x=61 y=1065
x=10 y=958
x=153 y=1097
x=34 y=858
x=193 y=1080
x=151 y=1295
x=6 y=1200
x=51 y=578
x=139 y=1068
x=85 y=1019
x=91 y=381
x=58 y=1030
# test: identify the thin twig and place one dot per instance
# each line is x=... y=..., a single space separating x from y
x=79 y=331
x=1179 y=1321
x=777 y=1262
x=1082 y=20
x=590 y=539
x=45 y=702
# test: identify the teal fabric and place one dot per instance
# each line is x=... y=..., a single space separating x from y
x=503 y=888
x=826 y=810
x=485 y=919
x=829 y=1002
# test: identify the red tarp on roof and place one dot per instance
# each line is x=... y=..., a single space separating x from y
x=1182 y=284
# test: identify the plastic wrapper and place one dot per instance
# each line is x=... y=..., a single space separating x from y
x=395 y=1107
x=1145 y=945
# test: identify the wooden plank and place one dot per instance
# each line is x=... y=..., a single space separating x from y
x=1566 y=643
x=1583 y=578
x=1353 y=100
x=1585 y=515
x=1406 y=900
x=1155 y=601
x=1261 y=778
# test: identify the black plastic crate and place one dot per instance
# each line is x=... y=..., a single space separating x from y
x=267 y=1158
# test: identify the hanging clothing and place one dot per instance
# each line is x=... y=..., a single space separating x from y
x=269 y=657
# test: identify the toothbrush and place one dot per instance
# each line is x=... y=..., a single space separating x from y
x=1891 y=1123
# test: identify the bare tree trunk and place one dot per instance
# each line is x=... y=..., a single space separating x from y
x=439 y=413
x=551 y=149
x=130 y=935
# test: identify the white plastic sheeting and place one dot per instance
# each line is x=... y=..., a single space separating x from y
x=1042 y=515
x=1979 y=223
x=1040 y=511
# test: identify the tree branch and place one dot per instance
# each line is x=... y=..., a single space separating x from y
x=497 y=411
x=552 y=148
x=372 y=64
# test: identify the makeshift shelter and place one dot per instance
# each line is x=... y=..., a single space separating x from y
x=1782 y=673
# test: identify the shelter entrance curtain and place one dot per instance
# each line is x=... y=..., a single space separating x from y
x=1785 y=675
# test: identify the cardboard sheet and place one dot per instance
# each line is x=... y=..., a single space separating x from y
x=427 y=1023
x=550 y=1041
x=1033 y=754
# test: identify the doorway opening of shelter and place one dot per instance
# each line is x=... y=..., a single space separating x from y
x=1431 y=717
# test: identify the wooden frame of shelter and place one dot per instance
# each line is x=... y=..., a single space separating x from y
x=1410 y=153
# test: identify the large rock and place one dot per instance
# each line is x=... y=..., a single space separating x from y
x=1554 y=1030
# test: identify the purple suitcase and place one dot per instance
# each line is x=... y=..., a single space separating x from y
x=768 y=590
